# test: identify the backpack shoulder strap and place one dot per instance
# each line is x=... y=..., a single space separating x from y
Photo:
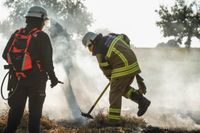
x=16 y=32
x=14 y=35
x=29 y=36
x=35 y=30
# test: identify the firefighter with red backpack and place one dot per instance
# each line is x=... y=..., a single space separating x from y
x=29 y=55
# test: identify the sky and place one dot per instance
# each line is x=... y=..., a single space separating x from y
x=136 y=18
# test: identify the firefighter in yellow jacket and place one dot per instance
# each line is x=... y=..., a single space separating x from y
x=119 y=64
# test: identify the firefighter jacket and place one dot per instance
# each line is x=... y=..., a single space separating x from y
x=116 y=58
x=40 y=49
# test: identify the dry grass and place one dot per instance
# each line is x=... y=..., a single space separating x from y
x=130 y=125
x=91 y=126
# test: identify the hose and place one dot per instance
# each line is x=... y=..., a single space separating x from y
x=14 y=90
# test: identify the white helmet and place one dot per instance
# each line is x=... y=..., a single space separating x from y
x=90 y=36
x=38 y=12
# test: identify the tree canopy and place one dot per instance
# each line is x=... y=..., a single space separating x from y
x=71 y=14
x=170 y=44
x=181 y=21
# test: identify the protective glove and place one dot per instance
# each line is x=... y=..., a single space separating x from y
x=142 y=88
x=54 y=80
x=141 y=84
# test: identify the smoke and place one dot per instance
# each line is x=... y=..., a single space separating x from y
x=75 y=67
x=172 y=77
x=61 y=102
x=2 y=71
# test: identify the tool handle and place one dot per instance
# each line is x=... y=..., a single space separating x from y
x=60 y=82
x=98 y=98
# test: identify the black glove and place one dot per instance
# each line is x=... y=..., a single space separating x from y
x=141 y=84
x=54 y=82
x=53 y=79
x=142 y=88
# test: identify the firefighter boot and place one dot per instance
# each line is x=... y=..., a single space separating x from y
x=143 y=103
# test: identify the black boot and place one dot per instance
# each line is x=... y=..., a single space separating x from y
x=143 y=103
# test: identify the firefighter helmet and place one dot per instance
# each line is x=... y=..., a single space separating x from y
x=38 y=12
x=89 y=36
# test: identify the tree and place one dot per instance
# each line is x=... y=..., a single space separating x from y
x=71 y=14
x=180 y=21
x=170 y=44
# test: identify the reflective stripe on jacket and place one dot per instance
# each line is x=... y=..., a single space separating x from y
x=121 y=59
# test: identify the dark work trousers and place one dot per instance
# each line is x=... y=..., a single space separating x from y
x=34 y=90
x=119 y=87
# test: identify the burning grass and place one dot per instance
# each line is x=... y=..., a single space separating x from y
x=130 y=125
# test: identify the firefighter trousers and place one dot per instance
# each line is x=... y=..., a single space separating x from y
x=35 y=93
x=119 y=87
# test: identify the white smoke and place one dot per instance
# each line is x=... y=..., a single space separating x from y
x=80 y=73
x=171 y=76
x=3 y=41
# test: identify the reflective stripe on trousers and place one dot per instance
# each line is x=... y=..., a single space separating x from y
x=119 y=87
x=114 y=113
